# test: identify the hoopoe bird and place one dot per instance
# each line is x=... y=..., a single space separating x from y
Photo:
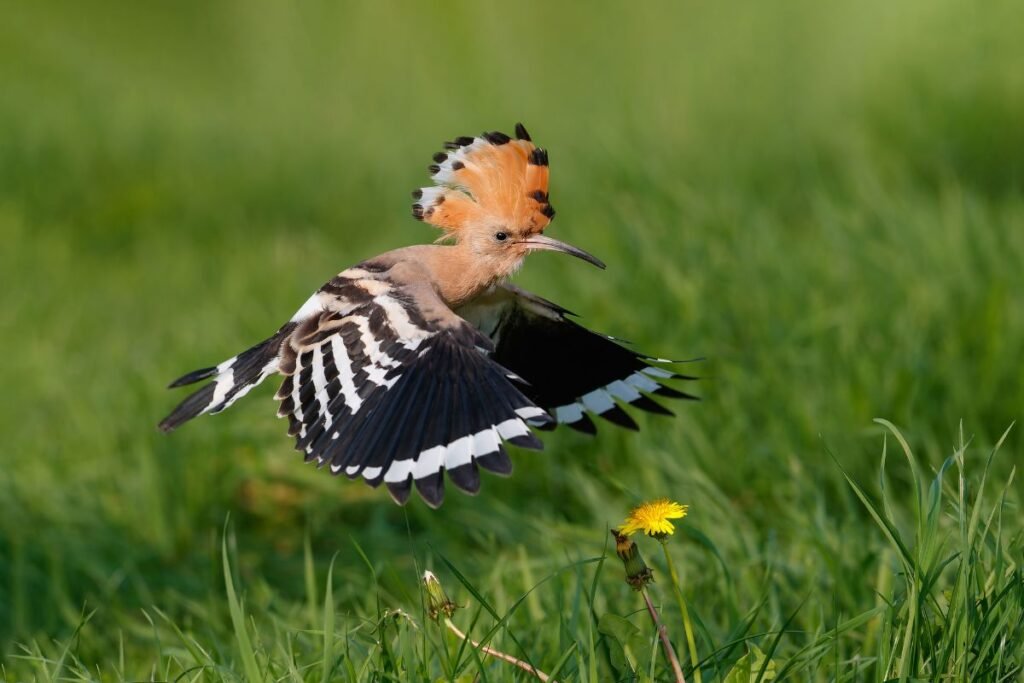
x=424 y=360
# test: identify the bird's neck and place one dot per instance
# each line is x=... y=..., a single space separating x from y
x=460 y=274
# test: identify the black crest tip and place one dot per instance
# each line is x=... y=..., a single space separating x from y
x=521 y=133
x=539 y=157
x=496 y=137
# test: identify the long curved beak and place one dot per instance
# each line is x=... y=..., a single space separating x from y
x=541 y=242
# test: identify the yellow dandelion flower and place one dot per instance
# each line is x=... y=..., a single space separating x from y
x=653 y=517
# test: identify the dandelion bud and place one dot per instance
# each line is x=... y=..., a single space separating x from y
x=437 y=602
x=638 y=574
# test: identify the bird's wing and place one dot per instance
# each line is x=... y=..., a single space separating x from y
x=569 y=370
x=383 y=381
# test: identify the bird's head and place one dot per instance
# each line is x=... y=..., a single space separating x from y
x=491 y=197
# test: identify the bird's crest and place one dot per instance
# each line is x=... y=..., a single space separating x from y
x=487 y=180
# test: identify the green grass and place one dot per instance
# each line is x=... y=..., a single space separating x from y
x=824 y=199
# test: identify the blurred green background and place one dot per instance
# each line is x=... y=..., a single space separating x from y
x=823 y=199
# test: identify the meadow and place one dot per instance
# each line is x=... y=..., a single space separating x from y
x=822 y=200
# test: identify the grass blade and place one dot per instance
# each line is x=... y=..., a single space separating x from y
x=245 y=649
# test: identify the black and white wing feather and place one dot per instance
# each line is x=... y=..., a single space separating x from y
x=384 y=382
x=569 y=371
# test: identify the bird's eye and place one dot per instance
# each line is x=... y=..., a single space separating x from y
x=500 y=236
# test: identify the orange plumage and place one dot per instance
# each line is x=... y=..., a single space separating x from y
x=491 y=181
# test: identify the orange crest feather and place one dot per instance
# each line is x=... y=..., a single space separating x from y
x=492 y=180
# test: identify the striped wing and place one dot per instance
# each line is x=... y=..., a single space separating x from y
x=570 y=371
x=377 y=390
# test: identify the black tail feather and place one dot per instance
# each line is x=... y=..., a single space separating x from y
x=193 y=406
x=193 y=377
x=235 y=376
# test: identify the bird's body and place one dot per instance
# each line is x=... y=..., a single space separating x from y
x=423 y=360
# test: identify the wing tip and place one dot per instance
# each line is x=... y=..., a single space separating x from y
x=496 y=462
x=584 y=425
x=617 y=416
x=651 y=406
x=431 y=488
x=466 y=478
x=400 y=491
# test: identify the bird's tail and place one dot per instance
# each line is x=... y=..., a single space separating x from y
x=232 y=379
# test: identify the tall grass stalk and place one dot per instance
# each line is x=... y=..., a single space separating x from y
x=683 y=611
x=960 y=596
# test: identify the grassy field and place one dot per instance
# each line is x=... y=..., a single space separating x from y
x=823 y=199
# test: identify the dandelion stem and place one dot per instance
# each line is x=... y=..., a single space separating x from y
x=691 y=643
x=666 y=644
x=528 y=668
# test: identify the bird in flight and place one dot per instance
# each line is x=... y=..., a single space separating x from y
x=425 y=360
